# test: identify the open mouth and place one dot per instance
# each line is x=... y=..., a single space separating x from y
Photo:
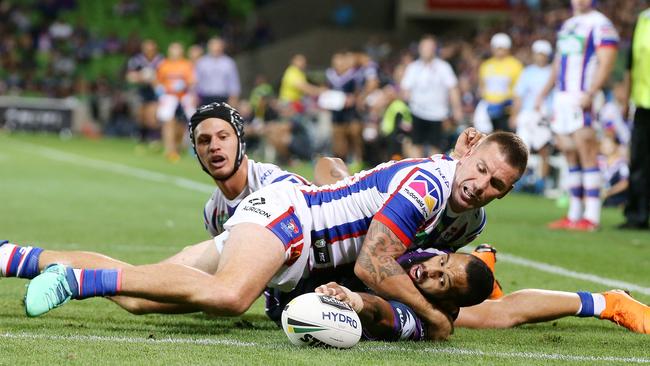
x=217 y=161
x=468 y=195
x=416 y=272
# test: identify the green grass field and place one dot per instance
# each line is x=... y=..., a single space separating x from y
x=103 y=196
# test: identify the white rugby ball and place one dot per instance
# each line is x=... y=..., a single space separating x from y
x=321 y=321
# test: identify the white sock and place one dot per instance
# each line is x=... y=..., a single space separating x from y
x=599 y=304
x=77 y=275
x=5 y=256
x=592 y=182
x=574 y=179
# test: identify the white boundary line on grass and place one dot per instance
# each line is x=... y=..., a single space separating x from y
x=58 y=155
x=363 y=347
x=549 y=268
x=65 y=157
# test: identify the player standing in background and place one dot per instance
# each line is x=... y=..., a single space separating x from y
x=177 y=103
x=586 y=51
x=531 y=125
x=497 y=78
x=347 y=143
x=141 y=71
x=217 y=78
x=431 y=89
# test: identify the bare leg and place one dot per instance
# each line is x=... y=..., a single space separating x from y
x=202 y=256
x=79 y=259
x=251 y=256
x=520 y=307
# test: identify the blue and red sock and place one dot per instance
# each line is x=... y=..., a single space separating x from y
x=95 y=282
x=17 y=261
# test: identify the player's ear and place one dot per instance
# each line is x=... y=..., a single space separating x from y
x=505 y=193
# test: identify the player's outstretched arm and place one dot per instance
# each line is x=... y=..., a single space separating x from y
x=377 y=268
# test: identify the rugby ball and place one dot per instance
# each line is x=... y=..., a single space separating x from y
x=316 y=320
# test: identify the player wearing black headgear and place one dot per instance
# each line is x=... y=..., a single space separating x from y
x=224 y=112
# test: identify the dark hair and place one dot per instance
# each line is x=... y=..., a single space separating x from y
x=480 y=282
x=512 y=147
x=428 y=37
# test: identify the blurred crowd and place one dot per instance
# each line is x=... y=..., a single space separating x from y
x=372 y=104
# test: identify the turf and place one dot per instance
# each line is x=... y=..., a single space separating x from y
x=54 y=195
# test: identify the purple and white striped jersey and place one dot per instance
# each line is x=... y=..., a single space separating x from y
x=577 y=42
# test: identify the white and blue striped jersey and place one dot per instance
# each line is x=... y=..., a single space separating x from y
x=408 y=196
x=577 y=41
x=218 y=208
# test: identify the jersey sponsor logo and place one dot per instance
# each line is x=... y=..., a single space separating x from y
x=265 y=175
x=256 y=210
x=420 y=190
x=571 y=44
x=257 y=201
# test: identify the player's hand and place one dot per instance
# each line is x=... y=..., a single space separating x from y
x=467 y=139
x=439 y=327
x=341 y=293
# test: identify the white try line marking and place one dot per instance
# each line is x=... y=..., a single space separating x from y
x=201 y=187
x=549 y=268
x=144 y=174
x=361 y=347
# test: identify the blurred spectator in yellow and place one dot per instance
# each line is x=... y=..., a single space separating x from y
x=497 y=78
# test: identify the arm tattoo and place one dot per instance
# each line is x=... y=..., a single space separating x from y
x=380 y=248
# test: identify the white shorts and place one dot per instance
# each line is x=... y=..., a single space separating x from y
x=533 y=130
x=169 y=103
x=568 y=116
x=281 y=208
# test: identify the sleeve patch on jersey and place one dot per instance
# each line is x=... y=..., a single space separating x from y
x=422 y=192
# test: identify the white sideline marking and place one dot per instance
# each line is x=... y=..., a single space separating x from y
x=362 y=347
x=508 y=258
x=119 y=168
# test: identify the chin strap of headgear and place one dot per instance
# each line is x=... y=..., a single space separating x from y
x=227 y=113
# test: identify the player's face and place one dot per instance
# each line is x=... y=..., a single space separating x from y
x=540 y=59
x=216 y=145
x=175 y=51
x=427 y=49
x=441 y=274
x=581 y=6
x=481 y=176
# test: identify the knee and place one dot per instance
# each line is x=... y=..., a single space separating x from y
x=229 y=302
